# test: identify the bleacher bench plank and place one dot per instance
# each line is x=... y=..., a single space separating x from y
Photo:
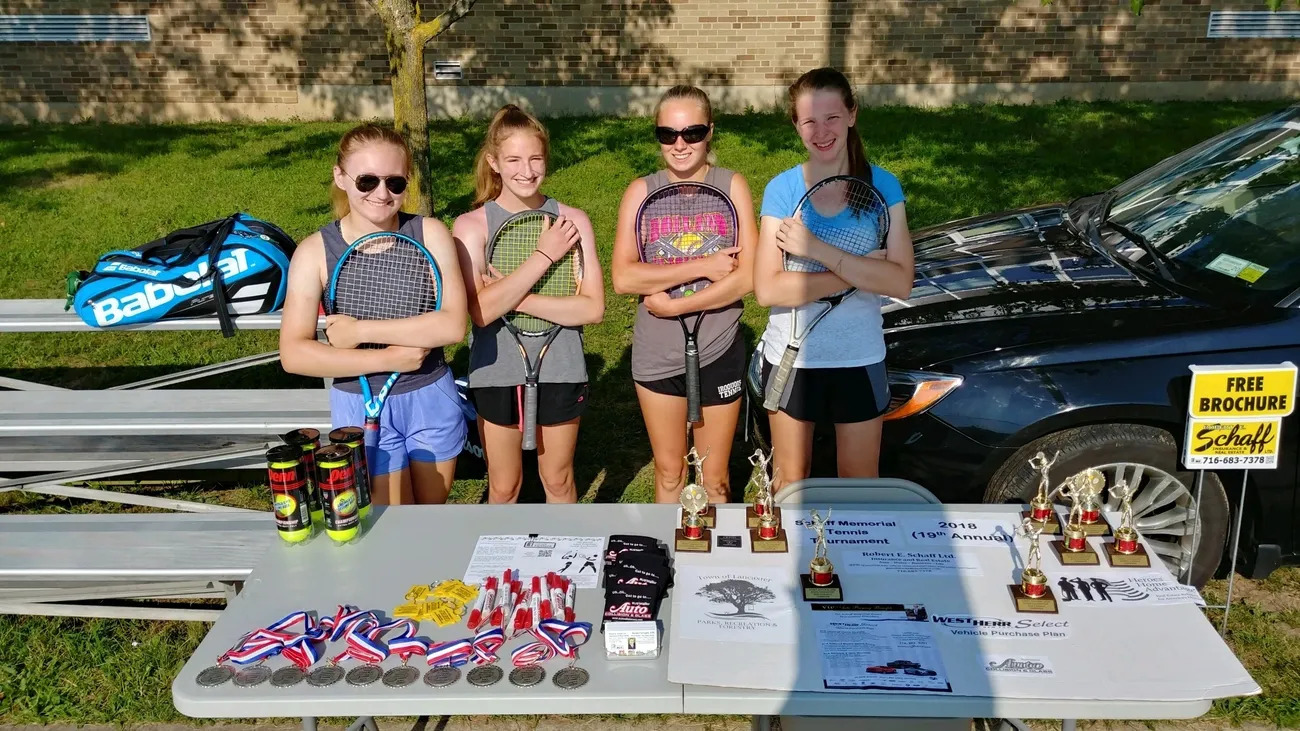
x=29 y=315
x=238 y=412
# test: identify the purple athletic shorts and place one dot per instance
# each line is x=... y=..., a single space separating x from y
x=424 y=425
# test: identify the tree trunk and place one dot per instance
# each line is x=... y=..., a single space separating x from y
x=411 y=115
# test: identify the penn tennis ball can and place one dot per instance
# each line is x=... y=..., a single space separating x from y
x=308 y=440
x=288 y=479
x=337 y=479
x=354 y=437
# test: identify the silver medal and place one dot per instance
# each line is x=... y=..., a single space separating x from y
x=401 y=677
x=571 y=678
x=325 y=675
x=286 y=677
x=364 y=675
x=256 y=675
x=485 y=675
x=528 y=675
x=215 y=675
x=441 y=677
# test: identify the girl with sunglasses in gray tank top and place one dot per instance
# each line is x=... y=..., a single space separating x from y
x=508 y=175
x=684 y=129
x=422 y=428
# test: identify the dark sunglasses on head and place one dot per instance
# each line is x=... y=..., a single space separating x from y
x=365 y=183
x=692 y=134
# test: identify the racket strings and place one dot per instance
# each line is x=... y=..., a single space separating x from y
x=680 y=223
x=847 y=214
x=514 y=243
x=385 y=279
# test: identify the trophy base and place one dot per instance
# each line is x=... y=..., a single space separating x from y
x=1025 y=604
x=1086 y=557
x=832 y=592
x=703 y=544
x=1100 y=528
x=1139 y=560
x=751 y=517
x=709 y=515
x=768 y=545
x=1051 y=527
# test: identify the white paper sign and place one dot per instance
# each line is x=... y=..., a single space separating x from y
x=1113 y=588
x=861 y=654
x=577 y=557
x=846 y=529
x=734 y=605
x=935 y=563
x=958 y=531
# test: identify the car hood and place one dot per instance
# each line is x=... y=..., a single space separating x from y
x=1014 y=279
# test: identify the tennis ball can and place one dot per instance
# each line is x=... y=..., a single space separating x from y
x=288 y=479
x=337 y=479
x=308 y=441
x=353 y=436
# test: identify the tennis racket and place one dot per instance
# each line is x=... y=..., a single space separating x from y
x=848 y=213
x=382 y=276
x=514 y=242
x=677 y=223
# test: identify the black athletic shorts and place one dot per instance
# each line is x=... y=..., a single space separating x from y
x=556 y=403
x=833 y=395
x=721 y=382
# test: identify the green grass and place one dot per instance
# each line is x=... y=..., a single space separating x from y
x=69 y=193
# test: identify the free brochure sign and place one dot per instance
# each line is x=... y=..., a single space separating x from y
x=1235 y=415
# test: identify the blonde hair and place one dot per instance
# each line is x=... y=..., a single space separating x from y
x=355 y=139
x=829 y=79
x=508 y=120
x=695 y=94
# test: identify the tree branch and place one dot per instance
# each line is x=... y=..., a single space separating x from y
x=430 y=29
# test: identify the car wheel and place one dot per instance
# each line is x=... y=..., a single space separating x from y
x=1147 y=458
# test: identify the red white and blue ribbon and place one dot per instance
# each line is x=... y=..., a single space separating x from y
x=338 y=626
x=269 y=641
x=554 y=638
x=363 y=643
x=486 y=644
x=450 y=654
x=405 y=644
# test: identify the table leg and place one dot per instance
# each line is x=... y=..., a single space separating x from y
x=1067 y=724
x=308 y=723
x=364 y=723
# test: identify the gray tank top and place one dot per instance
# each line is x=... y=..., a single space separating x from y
x=434 y=364
x=658 y=343
x=494 y=359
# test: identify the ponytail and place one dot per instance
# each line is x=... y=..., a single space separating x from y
x=356 y=138
x=829 y=79
x=508 y=120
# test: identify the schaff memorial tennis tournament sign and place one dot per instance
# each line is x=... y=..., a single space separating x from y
x=1235 y=415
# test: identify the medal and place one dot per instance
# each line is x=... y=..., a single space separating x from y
x=401 y=677
x=364 y=675
x=441 y=677
x=571 y=678
x=325 y=675
x=215 y=675
x=527 y=676
x=286 y=677
x=256 y=675
x=485 y=675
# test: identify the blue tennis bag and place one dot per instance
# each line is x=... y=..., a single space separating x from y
x=235 y=266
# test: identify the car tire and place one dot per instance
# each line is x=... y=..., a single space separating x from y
x=1109 y=444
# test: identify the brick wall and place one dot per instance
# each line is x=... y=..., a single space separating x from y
x=227 y=54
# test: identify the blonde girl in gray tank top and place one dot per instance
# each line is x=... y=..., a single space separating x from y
x=658 y=350
x=508 y=175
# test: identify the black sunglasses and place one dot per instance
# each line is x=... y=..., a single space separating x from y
x=692 y=134
x=365 y=183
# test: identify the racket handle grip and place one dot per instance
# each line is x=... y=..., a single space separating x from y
x=694 y=413
x=776 y=386
x=529 y=416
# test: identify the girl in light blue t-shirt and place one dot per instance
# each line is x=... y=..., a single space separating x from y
x=839 y=376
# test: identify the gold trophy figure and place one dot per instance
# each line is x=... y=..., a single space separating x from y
x=693 y=535
x=1089 y=485
x=1072 y=548
x=762 y=501
x=821 y=583
x=769 y=536
x=1033 y=594
x=1126 y=550
x=709 y=514
x=1040 y=507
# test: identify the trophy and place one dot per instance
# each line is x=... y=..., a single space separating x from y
x=1088 y=486
x=821 y=583
x=1040 y=508
x=709 y=514
x=1033 y=594
x=1072 y=548
x=693 y=535
x=762 y=501
x=1126 y=550
x=769 y=536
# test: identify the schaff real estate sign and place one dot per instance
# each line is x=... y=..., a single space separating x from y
x=1235 y=415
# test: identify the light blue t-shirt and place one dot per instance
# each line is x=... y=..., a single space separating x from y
x=853 y=333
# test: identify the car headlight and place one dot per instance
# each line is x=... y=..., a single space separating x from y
x=915 y=392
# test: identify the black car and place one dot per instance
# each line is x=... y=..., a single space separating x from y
x=1071 y=327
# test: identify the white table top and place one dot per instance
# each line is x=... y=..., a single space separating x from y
x=412 y=545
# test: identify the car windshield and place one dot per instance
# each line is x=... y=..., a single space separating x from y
x=1227 y=209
